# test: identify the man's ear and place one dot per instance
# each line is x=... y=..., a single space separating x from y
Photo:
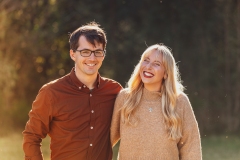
x=72 y=55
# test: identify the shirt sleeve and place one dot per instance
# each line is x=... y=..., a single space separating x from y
x=115 y=124
x=190 y=144
x=37 y=126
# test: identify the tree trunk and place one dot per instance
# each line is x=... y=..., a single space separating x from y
x=227 y=75
x=237 y=95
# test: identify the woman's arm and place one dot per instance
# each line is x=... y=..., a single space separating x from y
x=116 y=120
x=190 y=144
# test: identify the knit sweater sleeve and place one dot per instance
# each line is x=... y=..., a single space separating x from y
x=116 y=119
x=190 y=144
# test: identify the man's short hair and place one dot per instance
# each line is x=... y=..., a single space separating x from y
x=92 y=32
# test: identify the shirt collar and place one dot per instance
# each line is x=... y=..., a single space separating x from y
x=79 y=84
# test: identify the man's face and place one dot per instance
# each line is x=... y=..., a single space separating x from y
x=87 y=66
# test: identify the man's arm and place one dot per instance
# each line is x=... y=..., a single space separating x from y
x=37 y=126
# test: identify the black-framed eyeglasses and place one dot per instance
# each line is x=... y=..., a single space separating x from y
x=87 y=53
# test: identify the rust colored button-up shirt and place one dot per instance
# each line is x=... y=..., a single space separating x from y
x=77 y=119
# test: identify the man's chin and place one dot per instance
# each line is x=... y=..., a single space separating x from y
x=91 y=73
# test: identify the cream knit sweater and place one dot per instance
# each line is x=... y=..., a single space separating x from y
x=149 y=139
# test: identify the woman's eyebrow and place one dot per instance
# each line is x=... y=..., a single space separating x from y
x=158 y=61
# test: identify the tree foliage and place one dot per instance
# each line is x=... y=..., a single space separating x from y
x=203 y=35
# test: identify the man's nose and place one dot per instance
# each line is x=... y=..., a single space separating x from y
x=92 y=55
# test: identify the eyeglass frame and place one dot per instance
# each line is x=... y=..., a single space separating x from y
x=104 y=52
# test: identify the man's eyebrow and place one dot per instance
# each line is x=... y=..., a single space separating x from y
x=92 y=50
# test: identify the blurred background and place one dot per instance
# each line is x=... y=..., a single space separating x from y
x=204 y=36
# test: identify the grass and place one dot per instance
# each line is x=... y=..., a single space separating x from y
x=221 y=148
x=11 y=147
x=214 y=147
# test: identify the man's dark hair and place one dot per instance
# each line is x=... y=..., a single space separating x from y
x=93 y=34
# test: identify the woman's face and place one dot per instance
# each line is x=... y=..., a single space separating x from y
x=152 y=71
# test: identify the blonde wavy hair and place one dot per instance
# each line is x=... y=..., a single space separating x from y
x=171 y=87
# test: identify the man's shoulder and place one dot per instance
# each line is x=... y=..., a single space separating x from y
x=109 y=81
x=56 y=83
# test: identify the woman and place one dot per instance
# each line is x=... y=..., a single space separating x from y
x=153 y=117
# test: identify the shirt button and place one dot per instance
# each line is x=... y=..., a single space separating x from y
x=84 y=86
x=80 y=87
x=90 y=144
x=91 y=127
x=90 y=95
x=92 y=111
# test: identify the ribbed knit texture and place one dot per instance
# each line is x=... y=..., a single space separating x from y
x=149 y=139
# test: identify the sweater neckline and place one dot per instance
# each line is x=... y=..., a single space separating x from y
x=150 y=95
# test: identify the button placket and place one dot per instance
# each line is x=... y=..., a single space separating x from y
x=92 y=118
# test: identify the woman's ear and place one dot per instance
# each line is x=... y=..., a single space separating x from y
x=165 y=76
x=72 y=54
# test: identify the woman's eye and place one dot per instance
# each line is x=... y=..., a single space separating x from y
x=145 y=60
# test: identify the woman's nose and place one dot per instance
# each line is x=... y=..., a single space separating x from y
x=149 y=65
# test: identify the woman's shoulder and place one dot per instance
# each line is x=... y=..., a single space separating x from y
x=121 y=97
x=123 y=93
x=182 y=96
x=182 y=100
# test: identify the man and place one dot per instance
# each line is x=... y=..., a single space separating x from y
x=75 y=110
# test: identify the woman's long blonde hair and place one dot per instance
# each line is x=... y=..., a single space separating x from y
x=171 y=87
